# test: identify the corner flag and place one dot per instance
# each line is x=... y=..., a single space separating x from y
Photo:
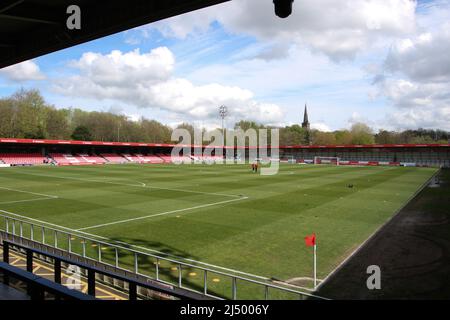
x=310 y=241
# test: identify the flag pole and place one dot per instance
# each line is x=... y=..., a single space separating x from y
x=315 y=266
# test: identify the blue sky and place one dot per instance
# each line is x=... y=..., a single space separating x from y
x=350 y=61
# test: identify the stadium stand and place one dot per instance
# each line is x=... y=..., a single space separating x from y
x=67 y=159
x=22 y=158
x=132 y=158
x=203 y=158
x=30 y=152
x=114 y=158
x=149 y=158
x=167 y=158
x=92 y=159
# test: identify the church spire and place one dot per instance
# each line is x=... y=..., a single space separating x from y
x=305 y=123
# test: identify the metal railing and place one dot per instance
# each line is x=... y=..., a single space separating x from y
x=91 y=273
x=38 y=288
x=233 y=286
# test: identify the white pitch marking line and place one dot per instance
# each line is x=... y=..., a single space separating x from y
x=133 y=185
x=72 y=231
x=20 y=201
x=159 y=214
x=29 y=192
x=36 y=220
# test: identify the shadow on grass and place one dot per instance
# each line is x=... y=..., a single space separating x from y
x=192 y=277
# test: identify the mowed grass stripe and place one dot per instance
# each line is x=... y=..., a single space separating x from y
x=262 y=235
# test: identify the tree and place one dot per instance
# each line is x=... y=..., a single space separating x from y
x=6 y=119
x=57 y=124
x=245 y=125
x=385 y=137
x=154 y=131
x=29 y=110
x=323 y=138
x=81 y=133
x=362 y=134
x=293 y=135
x=189 y=128
x=343 y=137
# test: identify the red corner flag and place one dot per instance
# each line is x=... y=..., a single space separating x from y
x=310 y=241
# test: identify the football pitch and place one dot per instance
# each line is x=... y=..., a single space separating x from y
x=223 y=217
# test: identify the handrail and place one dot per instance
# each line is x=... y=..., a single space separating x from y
x=38 y=285
x=204 y=291
x=174 y=292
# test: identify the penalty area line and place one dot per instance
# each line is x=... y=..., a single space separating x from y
x=159 y=214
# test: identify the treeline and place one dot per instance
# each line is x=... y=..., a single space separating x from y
x=26 y=115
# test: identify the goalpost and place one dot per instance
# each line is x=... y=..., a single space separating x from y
x=327 y=160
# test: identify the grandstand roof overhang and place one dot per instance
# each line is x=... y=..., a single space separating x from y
x=31 y=28
x=168 y=145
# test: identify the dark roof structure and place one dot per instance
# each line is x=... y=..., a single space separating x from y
x=31 y=28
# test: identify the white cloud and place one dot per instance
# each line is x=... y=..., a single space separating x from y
x=321 y=127
x=129 y=68
x=146 y=80
x=425 y=58
x=24 y=71
x=416 y=76
x=339 y=29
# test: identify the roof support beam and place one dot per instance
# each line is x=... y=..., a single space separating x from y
x=9 y=4
x=28 y=19
x=38 y=27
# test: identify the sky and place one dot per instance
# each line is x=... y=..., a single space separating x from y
x=382 y=62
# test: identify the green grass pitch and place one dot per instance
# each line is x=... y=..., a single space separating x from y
x=223 y=215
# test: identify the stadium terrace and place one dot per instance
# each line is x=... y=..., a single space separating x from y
x=65 y=152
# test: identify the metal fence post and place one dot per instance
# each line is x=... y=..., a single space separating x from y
x=99 y=252
x=180 y=275
x=21 y=228
x=55 y=234
x=29 y=260
x=84 y=248
x=43 y=235
x=157 y=269
x=136 y=268
x=117 y=257
x=234 y=288
x=91 y=282
x=205 y=282
x=32 y=232
x=132 y=289
x=6 y=252
x=57 y=271
x=69 y=237
x=7 y=225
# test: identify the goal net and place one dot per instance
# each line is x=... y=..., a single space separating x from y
x=326 y=160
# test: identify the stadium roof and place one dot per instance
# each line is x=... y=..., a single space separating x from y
x=31 y=28
x=168 y=145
